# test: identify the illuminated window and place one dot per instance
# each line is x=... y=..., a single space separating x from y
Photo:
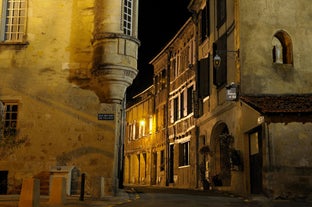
x=150 y=124
x=142 y=128
x=14 y=20
x=9 y=119
x=127 y=14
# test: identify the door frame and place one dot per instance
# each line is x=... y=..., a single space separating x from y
x=255 y=155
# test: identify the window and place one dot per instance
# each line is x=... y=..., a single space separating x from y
x=175 y=109
x=182 y=105
x=127 y=20
x=221 y=12
x=163 y=78
x=205 y=23
x=184 y=153
x=282 y=48
x=14 y=20
x=162 y=160
x=150 y=130
x=174 y=71
x=142 y=128
x=190 y=100
x=10 y=119
x=204 y=78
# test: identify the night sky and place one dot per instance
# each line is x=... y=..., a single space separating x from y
x=159 y=21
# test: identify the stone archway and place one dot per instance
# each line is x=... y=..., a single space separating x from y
x=221 y=142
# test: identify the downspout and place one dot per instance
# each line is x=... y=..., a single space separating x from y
x=195 y=21
x=121 y=147
x=169 y=52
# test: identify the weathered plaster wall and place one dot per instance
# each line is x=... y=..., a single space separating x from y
x=291 y=167
x=58 y=118
x=259 y=22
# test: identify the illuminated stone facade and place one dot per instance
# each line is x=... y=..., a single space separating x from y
x=166 y=157
x=246 y=67
x=65 y=66
x=257 y=140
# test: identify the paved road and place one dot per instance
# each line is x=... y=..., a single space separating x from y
x=191 y=200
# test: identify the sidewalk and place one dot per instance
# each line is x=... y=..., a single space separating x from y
x=123 y=197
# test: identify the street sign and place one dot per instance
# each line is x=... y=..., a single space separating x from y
x=106 y=116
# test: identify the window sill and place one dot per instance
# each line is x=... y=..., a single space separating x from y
x=282 y=66
x=184 y=166
x=4 y=43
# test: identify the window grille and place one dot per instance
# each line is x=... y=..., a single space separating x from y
x=127 y=20
x=14 y=20
x=10 y=119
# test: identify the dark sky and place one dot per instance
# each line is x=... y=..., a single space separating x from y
x=159 y=21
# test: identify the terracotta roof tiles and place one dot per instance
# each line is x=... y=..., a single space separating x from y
x=299 y=103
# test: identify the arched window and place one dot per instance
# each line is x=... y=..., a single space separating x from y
x=282 y=48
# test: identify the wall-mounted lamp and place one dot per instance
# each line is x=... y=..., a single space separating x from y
x=217 y=58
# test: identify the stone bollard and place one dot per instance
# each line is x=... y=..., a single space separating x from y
x=58 y=191
x=30 y=195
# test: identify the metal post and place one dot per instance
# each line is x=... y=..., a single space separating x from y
x=82 y=187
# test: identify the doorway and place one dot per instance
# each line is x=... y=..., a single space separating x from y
x=3 y=182
x=154 y=168
x=255 y=159
x=171 y=162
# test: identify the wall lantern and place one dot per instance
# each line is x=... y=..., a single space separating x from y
x=232 y=92
x=217 y=58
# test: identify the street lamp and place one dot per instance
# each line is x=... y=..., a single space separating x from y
x=217 y=58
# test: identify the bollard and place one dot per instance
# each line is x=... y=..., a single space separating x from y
x=83 y=180
x=58 y=191
x=30 y=195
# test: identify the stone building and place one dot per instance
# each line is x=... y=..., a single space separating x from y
x=233 y=100
x=169 y=152
x=65 y=66
x=255 y=108
x=139 y=140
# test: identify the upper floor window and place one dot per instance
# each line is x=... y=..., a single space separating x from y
x=190 y=99
x=282 y=48
x=163 y=79
x=221 y=12
x=205 y=21
x=127 y=17
x=142 y=128
x=9 y=119
x=13 y=21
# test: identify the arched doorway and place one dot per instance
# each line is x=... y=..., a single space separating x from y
x=221 y=143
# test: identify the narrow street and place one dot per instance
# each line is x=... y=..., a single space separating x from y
x=162 y=198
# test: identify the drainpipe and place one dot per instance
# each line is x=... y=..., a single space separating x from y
x=167 y=119
x=196 y=68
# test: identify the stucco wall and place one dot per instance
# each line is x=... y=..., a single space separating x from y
x=290 y=171
x=259 y=21
x=58 y=118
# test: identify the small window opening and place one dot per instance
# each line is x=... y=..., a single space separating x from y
x=282 y=48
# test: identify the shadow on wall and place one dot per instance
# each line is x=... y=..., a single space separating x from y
x=64 y=158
